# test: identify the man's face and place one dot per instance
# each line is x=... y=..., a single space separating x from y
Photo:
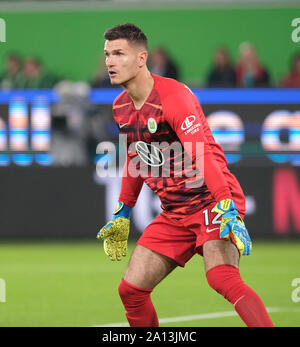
x=123 y=60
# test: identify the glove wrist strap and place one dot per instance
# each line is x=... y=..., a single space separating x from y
x=122 y=211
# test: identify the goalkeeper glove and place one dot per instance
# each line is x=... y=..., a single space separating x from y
x=233 y=223
x=115 y=232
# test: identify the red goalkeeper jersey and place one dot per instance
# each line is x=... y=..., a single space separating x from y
x=166 y=140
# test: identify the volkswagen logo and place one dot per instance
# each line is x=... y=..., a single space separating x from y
x=149 y=154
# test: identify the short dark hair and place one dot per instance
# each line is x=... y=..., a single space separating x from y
x=128 y=31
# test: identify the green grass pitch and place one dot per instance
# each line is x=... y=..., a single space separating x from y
x=74 y=284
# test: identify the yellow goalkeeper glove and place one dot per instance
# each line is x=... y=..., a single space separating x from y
x=115 y=233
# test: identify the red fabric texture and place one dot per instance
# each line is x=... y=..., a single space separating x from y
x=226 y=280
x=179 y=119
x=140 y=311
x=181 y=239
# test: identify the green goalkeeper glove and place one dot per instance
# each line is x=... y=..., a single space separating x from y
x=115 y=233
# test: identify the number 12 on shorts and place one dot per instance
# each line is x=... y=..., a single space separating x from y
x=215 y=220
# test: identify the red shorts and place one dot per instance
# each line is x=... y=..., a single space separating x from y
x=180 y=239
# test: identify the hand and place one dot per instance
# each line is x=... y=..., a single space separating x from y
x=115 y=233
x=233 y=223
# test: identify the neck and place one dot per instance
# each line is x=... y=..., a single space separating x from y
x=139 y=88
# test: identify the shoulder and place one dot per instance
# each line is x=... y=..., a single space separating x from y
x=168 y=86
x=122 y=98
x=174 y=95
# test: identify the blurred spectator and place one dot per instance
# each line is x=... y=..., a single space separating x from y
x=78 y=125
x=250 y=72
x=70 y=123
x=101 y=78
x=12 y=74
x=34 y=76
x=292 y=80
x=161 y=64
x=222 y=73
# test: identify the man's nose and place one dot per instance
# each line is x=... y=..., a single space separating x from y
x=109 y=62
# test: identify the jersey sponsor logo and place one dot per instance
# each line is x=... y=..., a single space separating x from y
x=149 y=154
x=188 y=122
x=152 y=125
x=122 y=125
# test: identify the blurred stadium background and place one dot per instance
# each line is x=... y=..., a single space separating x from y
x=242 y=60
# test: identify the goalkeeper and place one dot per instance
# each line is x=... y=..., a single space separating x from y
x=200 y=216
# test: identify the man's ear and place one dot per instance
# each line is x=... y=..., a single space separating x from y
x=143 y=56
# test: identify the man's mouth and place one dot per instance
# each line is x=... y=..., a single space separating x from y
x=112 y=73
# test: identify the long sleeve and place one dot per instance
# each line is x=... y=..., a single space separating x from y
x=186 y=119
x=131 y=186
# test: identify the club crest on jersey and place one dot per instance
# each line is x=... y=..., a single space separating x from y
x=152 y=125
x=149 y=154
x=188 y=122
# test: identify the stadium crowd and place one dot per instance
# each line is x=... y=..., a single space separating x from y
x=27 y=73
x=248 y=72
x=78 y=126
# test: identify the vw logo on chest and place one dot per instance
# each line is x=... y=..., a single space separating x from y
x=149 y=154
